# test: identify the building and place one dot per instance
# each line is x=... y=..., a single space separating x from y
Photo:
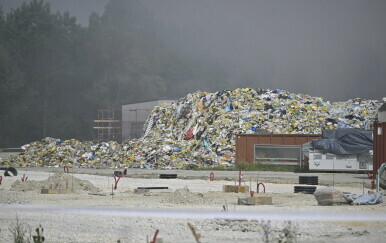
x=381 y=116
x=379 y=135
x=284 y=149
x=134 y=117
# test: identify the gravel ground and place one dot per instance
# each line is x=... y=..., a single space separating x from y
x=92 y=214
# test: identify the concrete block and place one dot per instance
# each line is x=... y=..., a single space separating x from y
x=140 y=190
x=263 y=200
x=246 y=201
x=330 y=196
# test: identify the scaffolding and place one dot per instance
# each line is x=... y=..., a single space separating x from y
x=108 y=125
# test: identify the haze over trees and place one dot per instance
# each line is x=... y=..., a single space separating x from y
x=55 y=73
x=56 y=70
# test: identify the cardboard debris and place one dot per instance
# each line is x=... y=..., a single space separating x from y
x=236 y=189
x=199 y=130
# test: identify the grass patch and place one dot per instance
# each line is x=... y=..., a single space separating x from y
x=266 y=167
x=253 y=167
x=215 y=167
x=21 y=233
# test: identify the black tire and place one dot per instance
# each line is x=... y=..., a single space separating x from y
x=308 y=177
x=308 y=180
x=168 y=176
x=12 y=170
x=305 y=189
x=305 y=192
x=153 y=187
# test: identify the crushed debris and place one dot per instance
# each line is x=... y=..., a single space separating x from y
x=199 y=130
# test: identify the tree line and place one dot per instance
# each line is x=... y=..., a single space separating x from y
x=55 y=74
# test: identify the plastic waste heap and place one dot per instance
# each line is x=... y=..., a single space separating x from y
x=199 y=130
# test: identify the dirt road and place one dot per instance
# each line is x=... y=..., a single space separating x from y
x=92 y=214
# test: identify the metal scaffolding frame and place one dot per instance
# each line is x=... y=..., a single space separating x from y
x=108 y=125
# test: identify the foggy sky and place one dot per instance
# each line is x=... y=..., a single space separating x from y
x=330 y=48
x=79 y=8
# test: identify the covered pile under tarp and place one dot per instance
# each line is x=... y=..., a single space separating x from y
x=364 y=199
x=331 y=196
x=344 y=141
x=199 y=130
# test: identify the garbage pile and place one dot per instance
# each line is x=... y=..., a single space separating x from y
x=199 y=130
x=56 y=152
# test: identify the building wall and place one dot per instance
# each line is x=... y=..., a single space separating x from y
x=379 y=145
x=381 y=117
x=379 y=139
x=245 y=143
x=134 y=117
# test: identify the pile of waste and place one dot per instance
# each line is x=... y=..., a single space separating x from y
x=199 y=130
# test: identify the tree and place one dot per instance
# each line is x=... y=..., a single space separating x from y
x=43 y=46
x=55 y=74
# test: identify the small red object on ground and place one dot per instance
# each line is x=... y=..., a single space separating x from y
x=116 y=181
x=372 y=184
x=259 y=185
x=211 y=177
x=24 y=178
x=155 y=237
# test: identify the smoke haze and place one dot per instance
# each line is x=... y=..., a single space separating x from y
x=334 y=49
x=330 y=48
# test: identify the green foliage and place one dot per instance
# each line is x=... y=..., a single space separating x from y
x=288 y=233
x=39 y=238
x=20 y=232
x=253 y=167
x=266 y=167
x=285 y=235
x=215 y=167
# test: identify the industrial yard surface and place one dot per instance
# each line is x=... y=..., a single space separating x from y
x=92 y=214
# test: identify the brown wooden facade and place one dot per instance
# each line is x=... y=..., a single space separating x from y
x=245 y=143
x=379 y=145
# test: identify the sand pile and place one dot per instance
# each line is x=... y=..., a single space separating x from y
x=233 y=225
x=266 y=231
x=58 y=180
x=185 y=196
